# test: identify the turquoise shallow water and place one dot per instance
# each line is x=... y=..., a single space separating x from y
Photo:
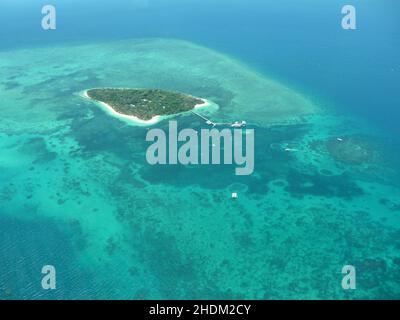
x=76 y=191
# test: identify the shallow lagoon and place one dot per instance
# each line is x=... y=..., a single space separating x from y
x=76 y=191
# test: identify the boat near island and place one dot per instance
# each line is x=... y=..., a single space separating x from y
x=236 y=124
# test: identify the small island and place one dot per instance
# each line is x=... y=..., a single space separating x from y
x=145 y=105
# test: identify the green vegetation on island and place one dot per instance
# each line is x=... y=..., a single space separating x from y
x=144 y=103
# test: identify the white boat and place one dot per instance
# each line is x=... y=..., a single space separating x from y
x=236 y=124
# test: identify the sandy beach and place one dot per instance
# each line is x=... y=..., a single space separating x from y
x=135 y=120
x=206 y=103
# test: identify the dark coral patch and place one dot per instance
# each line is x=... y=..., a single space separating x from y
x=320 y=185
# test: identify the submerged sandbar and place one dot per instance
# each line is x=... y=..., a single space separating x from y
x=146 y=105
